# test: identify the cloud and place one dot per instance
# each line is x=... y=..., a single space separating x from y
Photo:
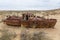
x=29 y=4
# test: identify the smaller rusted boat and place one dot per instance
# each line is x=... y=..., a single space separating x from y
x=13 y=20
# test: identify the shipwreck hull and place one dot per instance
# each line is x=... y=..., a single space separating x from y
x=30 y=21
x=41 y=23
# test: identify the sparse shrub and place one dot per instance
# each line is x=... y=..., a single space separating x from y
x=40 y=36
x=24 y=34
x=6 y=35
x=34 y=36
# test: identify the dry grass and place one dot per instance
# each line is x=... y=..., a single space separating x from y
x=6 y=35
x=40 y=35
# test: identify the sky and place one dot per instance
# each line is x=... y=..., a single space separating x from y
x=29 y=4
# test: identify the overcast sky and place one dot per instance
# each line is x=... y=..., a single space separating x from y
x=29 y=4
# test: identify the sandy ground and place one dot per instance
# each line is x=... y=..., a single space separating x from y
x=53 y=33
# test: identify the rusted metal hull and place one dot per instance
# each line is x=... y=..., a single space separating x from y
x=50 y=23
x=13 y=22
x=27 y=21
x=29 y=24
